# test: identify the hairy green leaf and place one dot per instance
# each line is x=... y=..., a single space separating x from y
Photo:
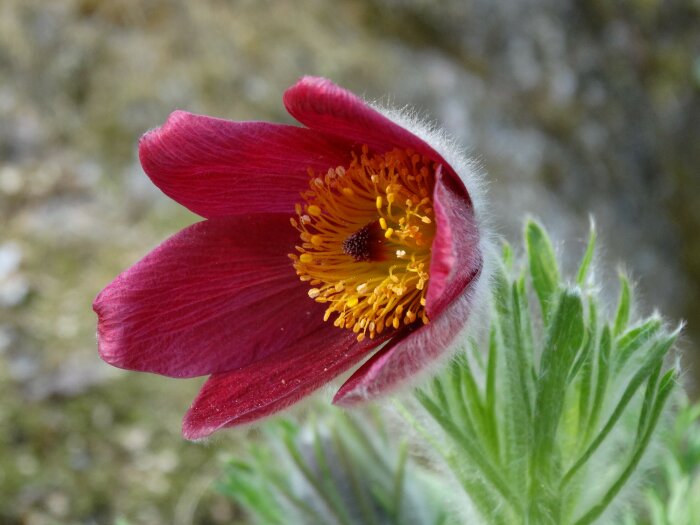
x=543 y=266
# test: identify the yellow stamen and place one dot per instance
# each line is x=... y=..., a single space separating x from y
x=367 y=231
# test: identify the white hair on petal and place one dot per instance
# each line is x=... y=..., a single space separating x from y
x=468 y=169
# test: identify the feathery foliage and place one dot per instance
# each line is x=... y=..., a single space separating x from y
x=552 y=425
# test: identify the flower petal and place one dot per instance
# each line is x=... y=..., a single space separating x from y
x=251 y=393
x=325 y=107
x=219 y=295
x=456 y=255
x=217 y=167
x=454 y=269
x=406 y=356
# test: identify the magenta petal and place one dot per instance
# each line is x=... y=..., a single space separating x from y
x=404 y=357
x=251 y=393
x=323 y=106
x=456 y=256
x=454 y=269
x=219 y=295
x=219 y=168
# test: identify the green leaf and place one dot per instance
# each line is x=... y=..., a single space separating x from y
x=564 y=339
x=588 y=355
x=320 y=485
x=507 y=256
x=472 y=452
x=259 y=487
x=350 y=468
x=439 y=392
x=399 y=477
x=648 y=402
x=665 y=388
x=587 y=256
x=589 y=342
x=522 y=328
x=485 y=500
x=251 y=495
x=516 y=385
x=543 y=266
x=468 y=396
x=603 y=374
x=491 y=402
x=456 y=396
x=654 y=357
x=632 y=340
x=563 y=342
x=623 y=307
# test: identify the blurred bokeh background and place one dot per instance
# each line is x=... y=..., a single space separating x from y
x=572 y=108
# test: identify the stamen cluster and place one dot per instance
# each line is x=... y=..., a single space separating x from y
x=367 y=231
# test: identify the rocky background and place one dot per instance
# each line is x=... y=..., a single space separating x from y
x=573 y=108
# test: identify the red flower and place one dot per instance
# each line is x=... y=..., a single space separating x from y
x=383 y=248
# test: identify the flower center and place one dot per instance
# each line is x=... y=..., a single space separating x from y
x=366 y=234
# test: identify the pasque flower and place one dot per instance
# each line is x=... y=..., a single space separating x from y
x=320 y=244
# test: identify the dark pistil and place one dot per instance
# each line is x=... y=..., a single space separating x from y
x=366 y=243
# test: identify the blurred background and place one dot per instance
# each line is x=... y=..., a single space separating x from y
x=573 y=108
